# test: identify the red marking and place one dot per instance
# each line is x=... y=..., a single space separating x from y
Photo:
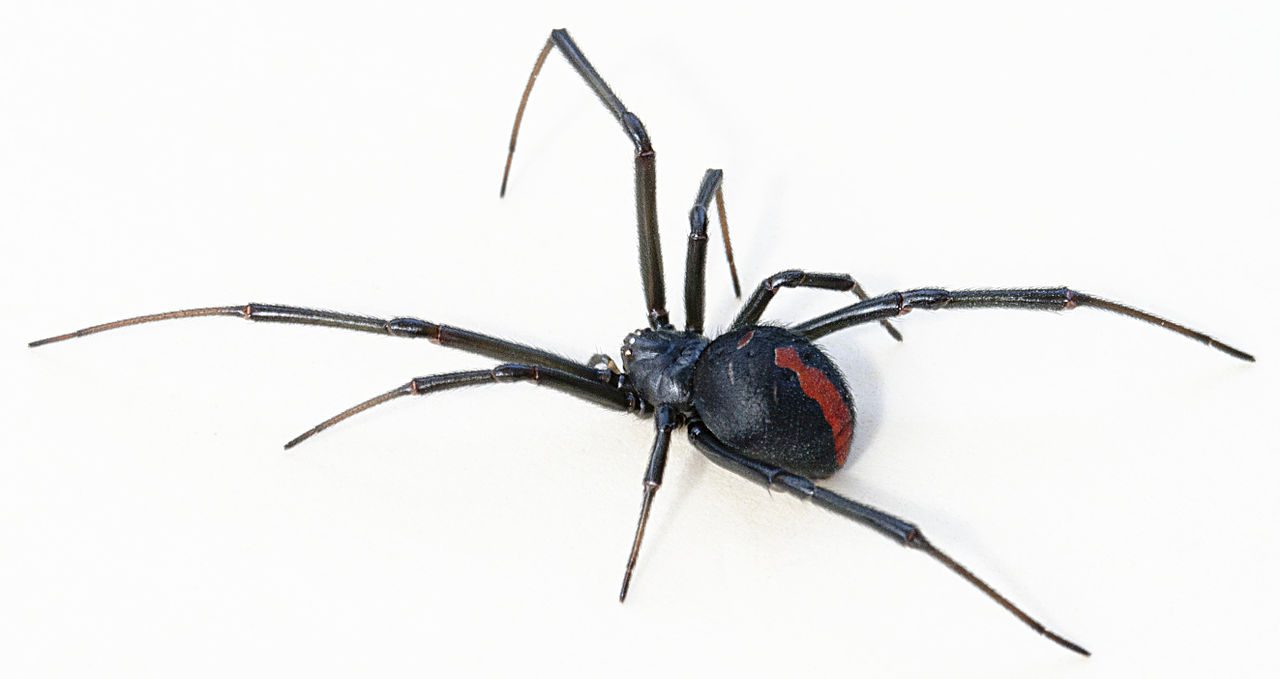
x=817 y=386
x=746 y=339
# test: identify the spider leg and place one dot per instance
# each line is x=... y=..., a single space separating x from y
x=695 y=263
x=445 y=335
x=905 y=532
x=646 y=178
x=794 y=278
x=584 y=388
x=665 y=421
x=1052 y=299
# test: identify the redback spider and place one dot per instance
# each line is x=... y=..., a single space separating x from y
x=763 y=401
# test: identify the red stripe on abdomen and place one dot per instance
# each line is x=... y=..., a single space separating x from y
x=817 y=386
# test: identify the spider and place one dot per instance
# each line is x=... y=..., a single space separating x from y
x=763 y=401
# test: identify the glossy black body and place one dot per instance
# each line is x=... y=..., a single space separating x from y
x=775 y=396
x=764 y=390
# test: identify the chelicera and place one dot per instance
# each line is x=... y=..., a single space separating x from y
x=762 y=401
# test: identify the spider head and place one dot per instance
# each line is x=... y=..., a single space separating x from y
x=660 y=363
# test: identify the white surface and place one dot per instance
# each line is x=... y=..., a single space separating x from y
x=1116 y=480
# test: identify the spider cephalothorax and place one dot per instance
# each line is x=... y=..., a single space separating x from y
x=660 y=363
x=762 y=401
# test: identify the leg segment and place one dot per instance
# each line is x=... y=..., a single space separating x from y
x=891 y=526
x=584 y=388
x=646 y=179
x=1052 y=299
x=449 y=336
x=794 y=278
x=665 y=421
x=695 y=263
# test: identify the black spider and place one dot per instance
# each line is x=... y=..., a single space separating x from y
x=762 y=401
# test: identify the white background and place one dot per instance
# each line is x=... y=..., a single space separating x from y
x=1116 y=480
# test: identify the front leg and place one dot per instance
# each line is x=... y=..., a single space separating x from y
x=446 y=335
x=645 y=167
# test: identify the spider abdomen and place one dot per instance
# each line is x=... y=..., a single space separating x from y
x=775 y=396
